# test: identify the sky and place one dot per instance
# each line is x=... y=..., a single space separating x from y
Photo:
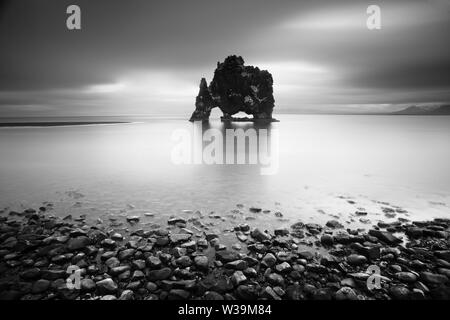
x=147 y=57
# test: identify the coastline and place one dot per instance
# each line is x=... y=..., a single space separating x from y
x=56 y=124
x=184 y=260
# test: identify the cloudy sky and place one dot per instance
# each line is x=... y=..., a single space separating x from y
x=147 y=57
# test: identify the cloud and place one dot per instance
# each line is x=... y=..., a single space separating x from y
x=148 y=56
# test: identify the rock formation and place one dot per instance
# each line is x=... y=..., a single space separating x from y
x=235 y=88
x=203 y=103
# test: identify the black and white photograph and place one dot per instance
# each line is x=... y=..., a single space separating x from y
x=253 y=151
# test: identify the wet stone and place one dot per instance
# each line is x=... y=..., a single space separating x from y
x=275 y=279
x=40 y=286
x=269 y=260
x=226 y=256
x=87 y=285
x=407 y=277
x=356 y=260
x=327 y=240
x=346 y=293
x=201 y=262
x=106 y=286
x=334 y=224
x=153 y=262
x=160 y=274
x=237 y=265
x=238 y=277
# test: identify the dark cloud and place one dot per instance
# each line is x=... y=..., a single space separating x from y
x=136 y=52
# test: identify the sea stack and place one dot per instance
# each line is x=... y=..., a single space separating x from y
x=203 y=103
x=235 y=88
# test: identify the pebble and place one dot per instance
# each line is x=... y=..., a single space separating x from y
x=40 y=286
x=238 y=277
x=106 y=286
x=334 y=224
x=346 y=293
x=162 y=263
x=269 y=260
x=201 y=262
x=259 y=235
x=327 y=240
x=87 y=285
x=407 y=277
x=127 y=295
x=356 y=260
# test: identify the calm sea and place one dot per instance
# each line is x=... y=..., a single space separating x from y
x=329 y=167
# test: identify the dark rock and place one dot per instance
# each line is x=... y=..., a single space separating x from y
x=275 y=279
x=342 y=238
x=283 y=267
x=138 y=264
x=151 y=287
x=246 y=292
x=53 y=274
x=385 y=236
x=327 y=240
x=127 y=295
x=126 y=254
x=227 y=256
x=180 y=237
x=399 y=292
x=30 y=274
x=153 y=262
x=242 y=237
x=334 y=224
x=203 y=103
x=259 y=235
x=433 y=278
x=407 y=277
x=210 y=236
x=40 y=286
x=190 y=245
x=133 y=219
x=281 y=232
x=237 y=265
x=238 y=277
x=356 y=260
x=316 y=268
x=108 y=243
x=414 y=232
x=176 y=220
x=250 y=273
x=346 y=293
x=78 y=243
x=322 y=294
x=234 y=88
x=307 y=255
x=201 y=262
x=294 y=292
x=269 y=260
x=212 y=295
x=183 y=261
x=112 y=262
x=106 y=286
x=160 y=274
x=270 y=294
x=87 y=285
x=162 y=241
x=138 y=275
x=443 y=254
x=178 y=294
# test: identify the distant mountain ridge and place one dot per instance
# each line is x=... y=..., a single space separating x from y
x=414 y=110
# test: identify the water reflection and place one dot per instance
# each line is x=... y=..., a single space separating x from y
x=231 y=143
